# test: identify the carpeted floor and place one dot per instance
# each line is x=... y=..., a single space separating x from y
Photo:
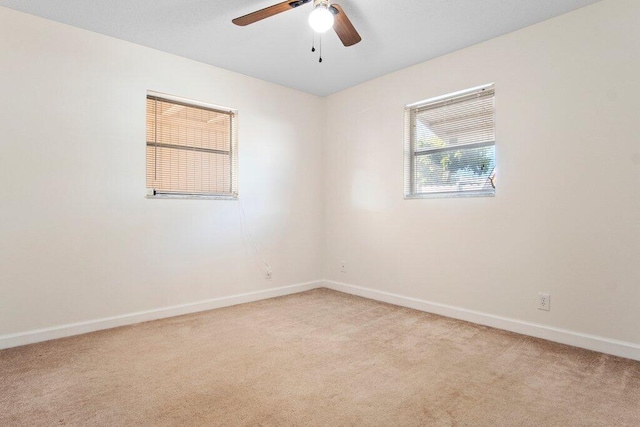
x=315 y=358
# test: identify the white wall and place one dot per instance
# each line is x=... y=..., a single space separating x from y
x=78 y=239
x=566 y=217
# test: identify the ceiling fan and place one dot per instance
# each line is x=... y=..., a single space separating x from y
x=324 y=16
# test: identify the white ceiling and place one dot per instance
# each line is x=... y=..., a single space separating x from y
x=395 y=34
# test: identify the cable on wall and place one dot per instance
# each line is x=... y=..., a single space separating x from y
x=245 y=231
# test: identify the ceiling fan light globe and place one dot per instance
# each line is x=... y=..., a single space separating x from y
x=321 y=19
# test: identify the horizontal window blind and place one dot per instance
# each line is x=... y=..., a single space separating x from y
x=450 y=145
x=191 y=149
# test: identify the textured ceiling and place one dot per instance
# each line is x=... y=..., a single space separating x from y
x=395 y=34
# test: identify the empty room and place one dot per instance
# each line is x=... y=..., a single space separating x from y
x=349 y=213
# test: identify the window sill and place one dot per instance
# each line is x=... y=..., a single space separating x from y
x=194 y=196
x=450 y=195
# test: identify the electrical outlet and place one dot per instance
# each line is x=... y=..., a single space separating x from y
x=268 y=274
x=343 y=266
x=544 y=301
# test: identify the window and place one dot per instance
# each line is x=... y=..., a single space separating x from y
x=191 y=149
x=450 y=145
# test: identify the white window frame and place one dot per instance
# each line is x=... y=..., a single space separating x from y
x=233 y=153
x=411 y=153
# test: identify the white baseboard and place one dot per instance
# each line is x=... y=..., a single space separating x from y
x=39 y=335
x=564 y=336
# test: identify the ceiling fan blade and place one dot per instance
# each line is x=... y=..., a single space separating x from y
x=343 y=27
x=268 y=11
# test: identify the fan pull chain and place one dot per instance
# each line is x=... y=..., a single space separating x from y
x=313 y=45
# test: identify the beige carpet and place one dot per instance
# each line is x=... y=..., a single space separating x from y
x=315 y=358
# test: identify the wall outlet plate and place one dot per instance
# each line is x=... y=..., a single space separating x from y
x=268 y=276
x=544 y=301
x=343 y=266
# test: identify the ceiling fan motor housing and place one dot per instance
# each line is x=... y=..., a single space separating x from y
x=297 y=3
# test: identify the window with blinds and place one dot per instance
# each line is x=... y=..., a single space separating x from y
x=191 y=148
x=450 y=145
